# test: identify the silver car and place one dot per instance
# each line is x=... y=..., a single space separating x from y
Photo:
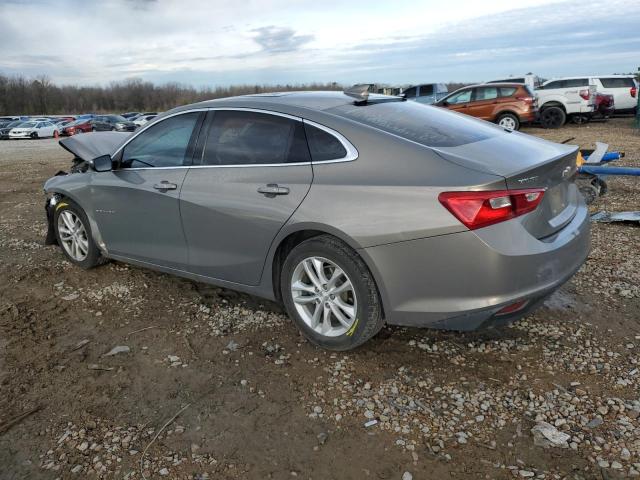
x=351 y=213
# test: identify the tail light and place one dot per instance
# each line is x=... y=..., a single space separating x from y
x=481 y=209
x=633 y=91
x=512 y=308
x=585 y=94
x=529 y=100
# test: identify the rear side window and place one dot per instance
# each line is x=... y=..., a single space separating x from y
x=423 y=124
x=507 y=91
x=251 y=138
x=164 y=144
x=426 y=90
x=617 y=82
x=486 y=93
x=323 y=145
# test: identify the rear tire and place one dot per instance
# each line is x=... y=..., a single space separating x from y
x=553 y=117
x=509 y=121
x=73 y=233
x=313 y=309
x=580 y=119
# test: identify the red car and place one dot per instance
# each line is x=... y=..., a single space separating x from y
x=79 y=126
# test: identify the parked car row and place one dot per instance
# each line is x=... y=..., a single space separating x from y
x=42 y=127
x=511 y=102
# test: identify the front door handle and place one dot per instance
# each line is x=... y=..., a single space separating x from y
x=164 y=185
x=273 y=189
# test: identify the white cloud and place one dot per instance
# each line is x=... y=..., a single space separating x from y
x=299 y=41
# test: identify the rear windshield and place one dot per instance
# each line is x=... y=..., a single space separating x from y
x=423 y=124
x=617 y=82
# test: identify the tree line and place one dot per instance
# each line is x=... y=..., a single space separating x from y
x=20 y=95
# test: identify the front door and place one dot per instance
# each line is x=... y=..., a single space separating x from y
x=485 y=101
x=137 y=204
x=459 y=102
x=255 y=172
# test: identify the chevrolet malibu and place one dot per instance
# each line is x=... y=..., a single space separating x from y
x=351 y=212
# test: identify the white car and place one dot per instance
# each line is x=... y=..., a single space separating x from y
x=530 y=80
x=561 y=98
x=144 y=119
x=623 y=88
x=33 y=130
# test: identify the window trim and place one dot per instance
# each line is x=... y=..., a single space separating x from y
x=352 y=152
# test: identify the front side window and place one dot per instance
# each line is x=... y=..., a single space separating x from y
x=252 y=138
x=488 y=93
x=164 y=144
x=577 y=82
x=323 y=145
x=462 y=97
x=410 y=92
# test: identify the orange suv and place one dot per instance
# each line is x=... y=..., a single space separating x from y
x=507 y=104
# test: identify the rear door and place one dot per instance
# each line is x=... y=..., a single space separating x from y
x=254 y=172
x=136 y=205
x=485 y=101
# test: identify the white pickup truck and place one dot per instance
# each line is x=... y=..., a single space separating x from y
x=563 y=98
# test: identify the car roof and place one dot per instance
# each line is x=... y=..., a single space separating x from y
x=500 y=84
x=308 y=100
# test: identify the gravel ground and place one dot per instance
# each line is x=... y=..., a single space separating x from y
x=215 y=384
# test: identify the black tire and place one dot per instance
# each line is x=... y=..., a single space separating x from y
x=34 y=135
x=510 y=116
x=94 y=129
x=94 y=257
x=369 y=318
x=553 y=117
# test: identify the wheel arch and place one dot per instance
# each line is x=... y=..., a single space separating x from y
x=289 y=238
x=553 y=103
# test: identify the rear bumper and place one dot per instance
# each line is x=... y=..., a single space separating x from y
x=460 y=281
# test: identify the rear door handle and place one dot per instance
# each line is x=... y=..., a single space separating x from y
x=164 y=185
x=273 y=189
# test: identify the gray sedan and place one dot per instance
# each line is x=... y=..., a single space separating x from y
x=351 y=212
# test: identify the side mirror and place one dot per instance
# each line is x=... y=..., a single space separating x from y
x=102 y=163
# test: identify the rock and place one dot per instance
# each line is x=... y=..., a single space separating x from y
x=526 y=474
x=602 y=410
x=547 y=436
x=232 y=346
x=603 y=464
x=596 y=422
x=70 y=297
x=83 y=446
x=616 y=465
x=322 y=438
x=407 y=476
x=625 y=454
x=173 y=358
x=164 y=472
x=76 y=469
x=117 y=350
x=317 y=409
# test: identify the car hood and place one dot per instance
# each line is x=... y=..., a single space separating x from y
x=92 y=145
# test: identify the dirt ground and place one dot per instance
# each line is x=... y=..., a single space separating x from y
x=220 y=385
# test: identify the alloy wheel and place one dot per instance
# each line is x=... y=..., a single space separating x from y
x=73 y=235
x=324 y=296
x=508 y=123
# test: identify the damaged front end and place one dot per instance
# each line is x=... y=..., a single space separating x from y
x=50 y=207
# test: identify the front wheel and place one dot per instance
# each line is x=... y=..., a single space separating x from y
x=73 y=233
x=34 y=135
x=330 y=294
x=509 y=121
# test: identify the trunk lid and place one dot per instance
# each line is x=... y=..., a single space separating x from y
x=527 y=162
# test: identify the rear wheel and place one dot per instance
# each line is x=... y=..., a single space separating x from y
x=580 y=118
x=73 y=233
x=553 y=117
x=330 y=294
x=509 y=121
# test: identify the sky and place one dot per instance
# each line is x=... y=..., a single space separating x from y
x=396 y=42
